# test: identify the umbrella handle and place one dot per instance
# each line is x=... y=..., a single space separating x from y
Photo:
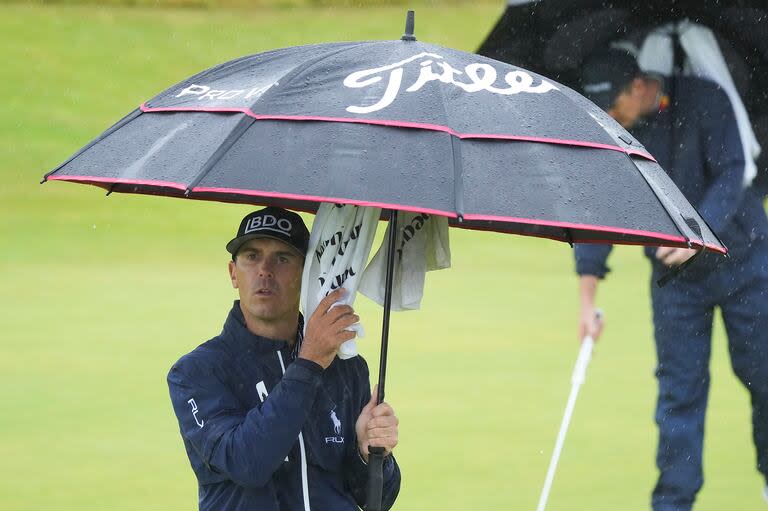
x=375 y=478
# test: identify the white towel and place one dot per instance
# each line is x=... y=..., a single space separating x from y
x=704 y=60
x=422 y=245
x=339 y=246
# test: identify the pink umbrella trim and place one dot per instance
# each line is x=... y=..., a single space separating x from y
x=403 y=124
x=414 y=209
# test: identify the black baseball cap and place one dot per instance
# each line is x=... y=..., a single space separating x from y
x=271 y=222
x=605 y=74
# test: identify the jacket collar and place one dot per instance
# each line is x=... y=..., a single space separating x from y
x=239 y=338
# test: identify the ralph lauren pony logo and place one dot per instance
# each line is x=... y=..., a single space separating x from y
x=336 y=422
x=482 y=77
x=336 y=429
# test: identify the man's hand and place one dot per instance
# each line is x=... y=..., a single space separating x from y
x=376 y=426
x=589 y=322
x=671 y=256
x=327 y=329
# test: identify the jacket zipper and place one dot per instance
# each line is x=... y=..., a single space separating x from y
x=304 y=479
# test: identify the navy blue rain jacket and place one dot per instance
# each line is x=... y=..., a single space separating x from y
x=262 y=440
x=708 y=167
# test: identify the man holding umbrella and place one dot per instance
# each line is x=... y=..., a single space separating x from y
x=697 y=142
x=271 y=419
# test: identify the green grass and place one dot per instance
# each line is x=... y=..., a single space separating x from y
x=101 y=295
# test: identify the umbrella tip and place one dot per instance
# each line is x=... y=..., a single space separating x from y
x=409 y=25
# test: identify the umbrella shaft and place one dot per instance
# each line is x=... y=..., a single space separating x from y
x=387 y=302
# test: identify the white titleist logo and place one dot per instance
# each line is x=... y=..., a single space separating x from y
x=480 y=76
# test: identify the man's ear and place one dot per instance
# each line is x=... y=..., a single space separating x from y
x=232 y=274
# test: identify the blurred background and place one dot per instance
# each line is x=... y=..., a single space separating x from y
x=100 y=295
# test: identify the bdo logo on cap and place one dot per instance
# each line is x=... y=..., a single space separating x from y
x=270 y=223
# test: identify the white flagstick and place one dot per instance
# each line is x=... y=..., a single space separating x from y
x=579 y=375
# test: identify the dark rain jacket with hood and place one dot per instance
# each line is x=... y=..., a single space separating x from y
x=269 y=432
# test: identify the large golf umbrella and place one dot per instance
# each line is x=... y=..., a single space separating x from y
x=553 y=37
x=401 y=125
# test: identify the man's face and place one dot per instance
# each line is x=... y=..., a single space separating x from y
x=650 y=95
x=639 y=99
x=267 y=274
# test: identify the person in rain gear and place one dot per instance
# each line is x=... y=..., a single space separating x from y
x=271 y=419
x=701 y=151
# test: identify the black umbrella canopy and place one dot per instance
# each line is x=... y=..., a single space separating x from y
x=400 y=125
x=553 y=37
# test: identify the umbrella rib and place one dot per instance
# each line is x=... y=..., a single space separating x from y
x=659 y=194
x=225 y=146
x=458 y=179
x=119 y=124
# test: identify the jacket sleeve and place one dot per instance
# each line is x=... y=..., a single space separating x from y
x=246 y=446
x=724 y=157
x=356 y=470
x=591 y=259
